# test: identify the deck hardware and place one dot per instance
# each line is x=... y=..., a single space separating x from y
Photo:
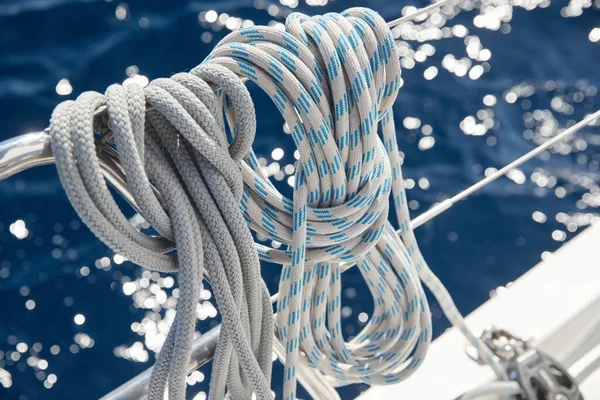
x=540 y=376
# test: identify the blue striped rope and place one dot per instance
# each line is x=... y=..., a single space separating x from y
x=334 y=79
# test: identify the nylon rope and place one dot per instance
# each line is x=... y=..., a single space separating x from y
x=180 y=145
x=334 y=79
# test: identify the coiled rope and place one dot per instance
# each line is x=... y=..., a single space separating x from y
x=334 y=78
x=181 y=146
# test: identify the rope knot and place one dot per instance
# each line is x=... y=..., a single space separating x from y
x=171 y=138
x=332 y=77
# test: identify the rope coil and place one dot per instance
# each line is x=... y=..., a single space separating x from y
x=334 y=79
x=181 y=146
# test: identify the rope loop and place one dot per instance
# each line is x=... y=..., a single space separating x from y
x=334 y=79
x=180 y=145
x=342 y=162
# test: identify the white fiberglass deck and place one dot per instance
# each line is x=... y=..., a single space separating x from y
x=551 y=303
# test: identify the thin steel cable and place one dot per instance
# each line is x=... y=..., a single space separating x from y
x=334 y=78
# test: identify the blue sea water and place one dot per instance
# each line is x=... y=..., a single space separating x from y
x=73 y=316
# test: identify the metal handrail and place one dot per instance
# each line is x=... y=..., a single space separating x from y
x=33 y=149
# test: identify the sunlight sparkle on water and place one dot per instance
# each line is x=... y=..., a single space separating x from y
x=64 y=88
x=19 y=229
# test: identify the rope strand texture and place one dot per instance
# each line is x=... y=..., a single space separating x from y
x=334 y=79
x=181 y=146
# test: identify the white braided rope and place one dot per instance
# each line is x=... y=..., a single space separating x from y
x=334 y=78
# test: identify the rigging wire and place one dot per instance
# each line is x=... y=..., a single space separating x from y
x=419 y=12
x=447 y=204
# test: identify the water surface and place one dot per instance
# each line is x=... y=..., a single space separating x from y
x=480 y=89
